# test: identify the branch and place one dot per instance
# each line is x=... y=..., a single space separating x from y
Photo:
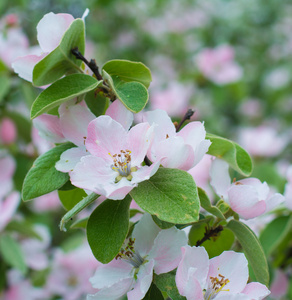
x=187 y=116
x=209 y=233
x=91 y=64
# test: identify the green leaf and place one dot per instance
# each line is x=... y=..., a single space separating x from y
x=166 y=283
x=107 y=228
x=61 y=91
x=231 y=152
x=252 y=249
x=153 y=293
x=162 y=224
x=61 y=60
x=128 y=71
x=215 y=245
x=133 y=94
x=5 y=82
x=274 y=233
x=71 y=197
x=43 y=177
x=171 y=195
x=11 y=253
x=206 y=204
x=77 y=209
x=97 y=103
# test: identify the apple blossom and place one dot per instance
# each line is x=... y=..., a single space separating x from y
x=150 y=249
x=8 y=132
x=248 y=197
x=288 y=188
x=114 y=167
x=223 y=277
x=50 y=31
x=218 y=65
x=262 y=141
x=70 y=273
x=183 y=149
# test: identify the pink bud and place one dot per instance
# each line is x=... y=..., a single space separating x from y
x=8 y=132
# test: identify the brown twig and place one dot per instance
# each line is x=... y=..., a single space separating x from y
x=209 y=233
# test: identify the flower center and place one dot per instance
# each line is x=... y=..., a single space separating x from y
x=129 y=254
x=122 y=164
x=216 y=286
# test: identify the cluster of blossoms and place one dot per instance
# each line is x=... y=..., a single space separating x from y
x=108 y=156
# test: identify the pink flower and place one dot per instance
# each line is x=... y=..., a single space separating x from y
x=47 y=202
x=174 y=100
x=183 y=149
x=8 y=133
x=114 y=167
x=70 y=273
x=262 y=141
x=223 y=277
x=218 y=65
x=50 y=31
x=247 y=197
x=288 y=189
x=150 y=249
x=280 y=285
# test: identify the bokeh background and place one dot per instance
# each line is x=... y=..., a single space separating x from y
x=230 y=61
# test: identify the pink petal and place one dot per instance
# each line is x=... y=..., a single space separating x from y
x=220 y=179
x=70 y=158
x=145 y=172
x=197 y=259
x=163 y=124
x=94 y=174
x=144 y=233
x=138 y=142
x=143 y=282
x=262 y=188
x=174 y=153
x=233 y=266
x=23 y=66
x=166 y=250
x=274 y=201
x=119 y=190
x=244 y=200
x=8 y=131
x=105 y=137
x=192 y=289
x=7 y=167
x=8 y=208
x=74 y=121
x=51 y=29
x=280 y=285
x=256 y=290
x=121 y=114
x=111 y=273
x=49 y=128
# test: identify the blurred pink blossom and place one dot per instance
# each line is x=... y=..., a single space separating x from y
x=47 y=202
x=8 y=132
x=280 y=285
x=218 y=65
x=174 y=99
x=70 y=273
x=288 y=188
x=262 y=141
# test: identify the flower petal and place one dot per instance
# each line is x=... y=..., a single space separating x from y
x=93 y=173
x=166 y=250
x=144 y=279
x=105 y=137
x=233 y=266
x=23 y=66
x=8 y=208
x=244 y=200
x=138 y=141
x=197 y=259
x=256 y=290
x=220 y=179
x=111 y=273
x=51 y=29
x=74 y=121
x=70 y=158
x=120 y=113
x=144 y=234
x=49 y=128
x=174 y=153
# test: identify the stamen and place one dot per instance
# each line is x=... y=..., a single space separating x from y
x=122 y=164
